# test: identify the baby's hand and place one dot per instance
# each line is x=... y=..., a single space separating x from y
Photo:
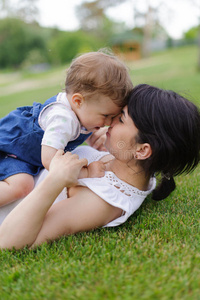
x=96 y=169
x=65 y=168
x=97 y=139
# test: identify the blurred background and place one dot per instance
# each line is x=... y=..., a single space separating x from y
x=158 y=39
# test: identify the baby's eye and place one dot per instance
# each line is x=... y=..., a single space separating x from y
x=105 y=116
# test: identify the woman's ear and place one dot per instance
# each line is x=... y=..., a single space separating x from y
x=77 y=100
x=143 y=151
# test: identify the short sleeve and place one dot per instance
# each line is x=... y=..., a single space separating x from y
x=60 y=126
x=114 y=197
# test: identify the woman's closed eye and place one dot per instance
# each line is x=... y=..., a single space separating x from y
x=120 y=119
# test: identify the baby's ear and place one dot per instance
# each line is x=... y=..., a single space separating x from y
x=143 y=151
x=77 y=100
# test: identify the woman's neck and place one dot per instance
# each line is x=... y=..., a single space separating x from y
x=131 y=174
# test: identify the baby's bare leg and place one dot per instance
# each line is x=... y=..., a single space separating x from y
x=15 y=187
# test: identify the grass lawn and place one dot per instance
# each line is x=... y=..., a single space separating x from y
x=155 y=255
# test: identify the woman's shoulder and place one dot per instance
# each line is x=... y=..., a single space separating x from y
x=117 y=193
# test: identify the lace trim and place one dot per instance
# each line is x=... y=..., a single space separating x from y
x=122 y=186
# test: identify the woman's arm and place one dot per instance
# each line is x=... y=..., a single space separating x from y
x=82 y=212
x=35 y=221
x=22 y=225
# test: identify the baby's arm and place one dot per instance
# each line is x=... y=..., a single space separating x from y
x=47 y=155
x=94 y=169
x=60 y=126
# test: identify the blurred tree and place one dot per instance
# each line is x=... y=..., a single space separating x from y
x=148 y=23
x=192 y=33
x=147 y=17
x=25 y=10
x=5 y=8
x=92 y=16
x=17 y=39
x=64 y=46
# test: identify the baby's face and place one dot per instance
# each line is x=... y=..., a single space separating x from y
x=97 y=112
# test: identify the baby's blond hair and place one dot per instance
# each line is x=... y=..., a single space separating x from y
x=99 y=73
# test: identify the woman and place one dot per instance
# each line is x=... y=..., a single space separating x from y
x=158 y=132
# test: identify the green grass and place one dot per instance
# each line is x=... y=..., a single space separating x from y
x=155 y=255
x=18 y=89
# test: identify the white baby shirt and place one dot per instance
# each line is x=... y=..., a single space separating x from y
x=60 y=123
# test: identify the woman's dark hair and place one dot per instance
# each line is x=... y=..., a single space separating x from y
x=171 y=125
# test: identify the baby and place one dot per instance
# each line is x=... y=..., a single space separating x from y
x=96 y=88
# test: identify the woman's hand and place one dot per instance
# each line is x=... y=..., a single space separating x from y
x=66 y=167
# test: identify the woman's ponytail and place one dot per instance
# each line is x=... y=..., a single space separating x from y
x=166 y=186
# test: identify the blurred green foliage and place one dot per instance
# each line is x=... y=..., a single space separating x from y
x=192 y=33
x=17 y=39
x=64 y=46
x=23 y=44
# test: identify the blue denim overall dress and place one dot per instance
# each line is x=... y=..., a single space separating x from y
x=20 y=140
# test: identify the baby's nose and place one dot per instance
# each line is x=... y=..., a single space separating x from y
x=108 y=121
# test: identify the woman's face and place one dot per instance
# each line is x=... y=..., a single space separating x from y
x=121 y=136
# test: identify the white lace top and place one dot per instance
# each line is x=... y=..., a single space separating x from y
x=113 y=190
x=110 y=188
